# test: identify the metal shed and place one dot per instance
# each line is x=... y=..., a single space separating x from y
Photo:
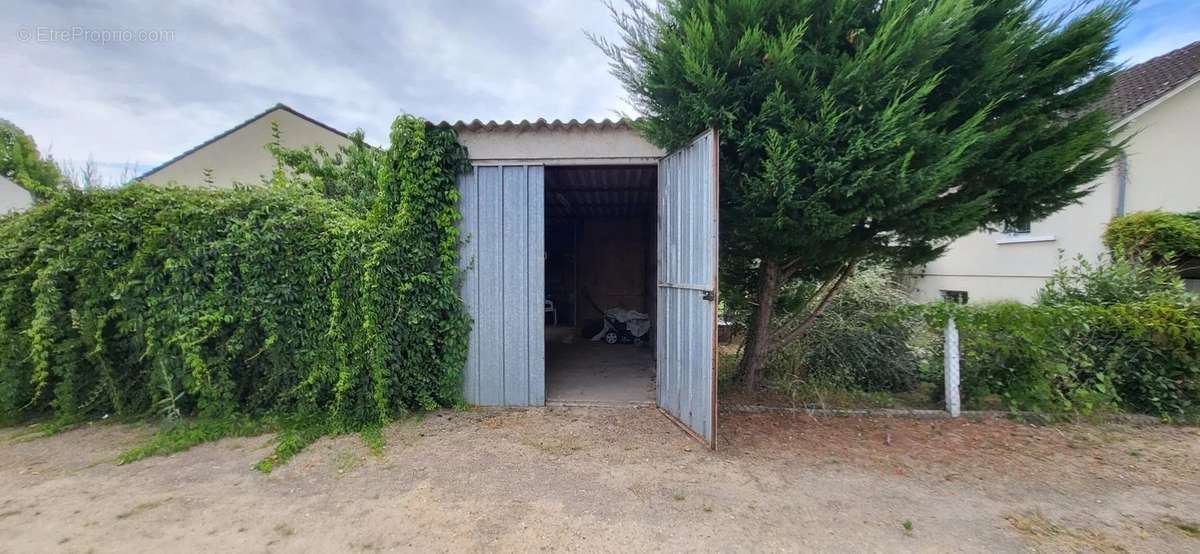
x=545 y=199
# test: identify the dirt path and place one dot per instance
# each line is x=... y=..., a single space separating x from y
x=617 y=480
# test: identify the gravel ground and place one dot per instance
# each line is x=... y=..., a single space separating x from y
x=579 y=479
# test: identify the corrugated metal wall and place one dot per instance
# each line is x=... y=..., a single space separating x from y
x=687 y=282
x=503 y=256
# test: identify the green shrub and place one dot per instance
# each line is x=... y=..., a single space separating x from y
x=350 y=174
x=1141 y=356
x=1157 y=235
x=1023 y=357
x=1114 y=279
x=1152 y=353
x=861 y=342
x=219 y=304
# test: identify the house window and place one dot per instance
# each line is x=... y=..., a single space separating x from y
x=955 y=296
x=1017 y=227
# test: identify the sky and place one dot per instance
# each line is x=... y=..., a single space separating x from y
x=131 y=84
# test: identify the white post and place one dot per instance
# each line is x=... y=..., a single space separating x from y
x=953 y=403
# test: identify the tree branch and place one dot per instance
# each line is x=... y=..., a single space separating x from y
x=789 y=269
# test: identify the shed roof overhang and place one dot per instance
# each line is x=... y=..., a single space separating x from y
x=555 y=143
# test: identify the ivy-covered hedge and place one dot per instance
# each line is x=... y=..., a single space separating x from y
x=273 y=299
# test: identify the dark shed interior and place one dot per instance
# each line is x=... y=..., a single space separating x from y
x=600 y=254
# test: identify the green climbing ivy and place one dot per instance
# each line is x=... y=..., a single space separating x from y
x=339 y=303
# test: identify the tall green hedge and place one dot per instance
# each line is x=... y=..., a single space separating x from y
x=150 y=299
x=1117 y=333
x=1141 y=357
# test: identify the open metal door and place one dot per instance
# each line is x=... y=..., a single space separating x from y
x=687 y=287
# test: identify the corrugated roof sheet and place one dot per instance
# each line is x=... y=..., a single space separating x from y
x=601 y=191
x=539 y=124
x=1150 y=80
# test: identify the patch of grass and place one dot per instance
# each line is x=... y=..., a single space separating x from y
x=182 y=435
x=1055 y=537
x=47 y=427
x=555 y=446
x=908 y=526
x=285 y=530
x=1189 y=528
x=345 y=461
x=373 y=437
x=53 y=427
x=835 y=397
x=1036 y=524
x=296 y=434
x=728 y=357
x=24 y=436
x=829 y=397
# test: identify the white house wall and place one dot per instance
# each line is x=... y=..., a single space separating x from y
x=1164 y=157
x=241 y=156
x=13 y=197
x=1163 y=173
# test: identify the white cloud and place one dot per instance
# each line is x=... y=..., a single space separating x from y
x=351 y=65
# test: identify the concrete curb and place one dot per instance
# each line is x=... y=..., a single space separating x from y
x=973 y=415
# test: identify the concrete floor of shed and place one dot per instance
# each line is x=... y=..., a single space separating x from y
x=596 y=373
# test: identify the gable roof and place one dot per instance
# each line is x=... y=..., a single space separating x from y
x=239 y=126
x=1151 y=80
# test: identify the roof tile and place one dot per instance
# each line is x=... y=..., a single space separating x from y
x=1150 y=80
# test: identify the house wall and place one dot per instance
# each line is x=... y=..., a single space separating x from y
x=1164 y=157
x=241 y=156
x=13 y=197
x=1163 y=162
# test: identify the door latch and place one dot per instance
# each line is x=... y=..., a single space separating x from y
x=708 y=295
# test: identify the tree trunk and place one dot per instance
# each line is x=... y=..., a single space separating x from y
x=758 y=336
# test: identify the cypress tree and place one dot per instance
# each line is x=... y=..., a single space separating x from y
x=869 y=131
